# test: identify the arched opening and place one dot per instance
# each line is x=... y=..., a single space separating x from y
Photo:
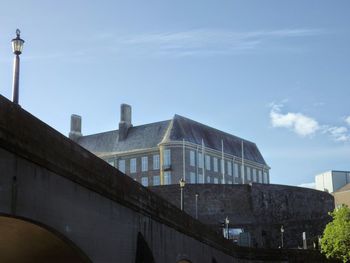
x=24 y=241
x=143 y=252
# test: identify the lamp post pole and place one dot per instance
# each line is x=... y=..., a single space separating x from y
x=227 y=222
x=197 y=195
x=282 y=231
x=182 y=186
x=17 y=47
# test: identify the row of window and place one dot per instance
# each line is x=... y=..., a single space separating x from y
x=228 y=167
x=255 y=179
x=156 y=179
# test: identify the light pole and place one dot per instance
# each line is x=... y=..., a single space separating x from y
x=182 y=186
x=197 y=195
x=17 y=47
x=227 y=222
x=282 y=231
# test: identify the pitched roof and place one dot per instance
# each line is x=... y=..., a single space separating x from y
x=177 y=129
x=139 y=137
x=192 y=131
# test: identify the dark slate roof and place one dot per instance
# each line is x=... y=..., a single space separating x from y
x=150 y=135
x=139 y=137
x=194 y=132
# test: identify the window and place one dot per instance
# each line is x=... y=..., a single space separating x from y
x=266 y=180
x=222 y=166
x=236 y=170
x=156 y=162
x=111 y=162
x=215 y=161
x=167 y=178
x=192 y=178
x=167 y=157
x=229 y=182
x=192 y=158
x=254 y=175
x=156 y=179
x=200 y=160
x=201 y=179
x=133 y=165
x=229 y=168
x=144 y=181
x=248 y=174
x=216 y=180
x=144 y=163
x=208 y=179
x=259 y=175
x=121 y=166
x=207 y=162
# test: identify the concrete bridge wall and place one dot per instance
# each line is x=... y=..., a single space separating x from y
x=51 y=181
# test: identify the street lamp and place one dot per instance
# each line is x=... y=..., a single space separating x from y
x=227 y=222
x=17 y=47
x=182 y=186
x=197 y=195
x=282 y=231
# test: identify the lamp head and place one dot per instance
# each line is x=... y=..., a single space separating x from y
x=17 y=43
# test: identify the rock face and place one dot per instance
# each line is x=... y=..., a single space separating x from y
x=259 y=209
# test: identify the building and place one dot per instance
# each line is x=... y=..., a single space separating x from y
x=331 y=181
x=342 y=196
x=162 y=153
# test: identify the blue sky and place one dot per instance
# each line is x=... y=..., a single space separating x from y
x=273 y=72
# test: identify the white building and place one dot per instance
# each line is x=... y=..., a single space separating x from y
x=331 y=181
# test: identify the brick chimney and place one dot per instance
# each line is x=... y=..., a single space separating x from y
x=75 y=127
x=125 y=121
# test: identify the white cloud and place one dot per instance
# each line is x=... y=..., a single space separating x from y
x=205 y=41
x=308 y=185
x=339 y=134
x=306 y=126
x=347 y=120
x=297 y=122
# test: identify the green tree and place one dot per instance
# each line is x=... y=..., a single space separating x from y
x=335 y=242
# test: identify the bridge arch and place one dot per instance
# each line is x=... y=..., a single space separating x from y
x=23 y=240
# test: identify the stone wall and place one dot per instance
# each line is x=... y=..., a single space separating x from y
x=258 y=208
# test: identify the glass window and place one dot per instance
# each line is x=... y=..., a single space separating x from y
x=229 y=168
x=216 y=180
x=133 y=165
x=111 y=162
x=207 y=162
x=200 y=160
x=236 y=169
x=144 y=181
x=167 y=157
x=121 y=166
x=266 y=181
x=192 y=158
x=156 y=180
x=248 y=174
x=208 y=179
x=254 y=175
x=156 y=162
x=192 y=178
x=229 y=182
x=215 y=161
x=144 y=163
x=167 y=178
x=201 y=179
x=222 y=165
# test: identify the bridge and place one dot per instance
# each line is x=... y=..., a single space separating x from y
x=60 y=203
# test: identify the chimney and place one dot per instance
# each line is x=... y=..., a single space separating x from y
x=125 y=121
x=75 y=127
